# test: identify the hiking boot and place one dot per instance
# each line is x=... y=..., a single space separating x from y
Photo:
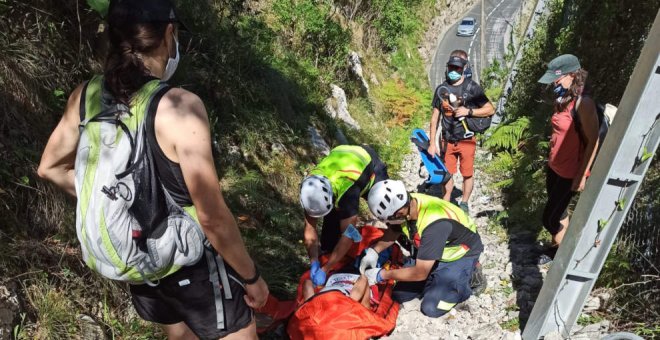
x=464 y=206
x=547 y=256
x=478 y=280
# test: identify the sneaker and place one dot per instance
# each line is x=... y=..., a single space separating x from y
x=544 y=259
x=478 y=280
x=547 y=256
x=464 y=206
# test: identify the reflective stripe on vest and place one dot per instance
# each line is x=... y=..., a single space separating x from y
x=343 y=167
x=432 y=209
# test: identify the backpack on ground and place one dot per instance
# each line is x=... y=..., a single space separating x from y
x=129 y=227
x=605 y=115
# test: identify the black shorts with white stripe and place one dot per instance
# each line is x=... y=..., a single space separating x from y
x=206 y=296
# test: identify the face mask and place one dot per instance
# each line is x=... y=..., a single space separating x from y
x=559 y=90
x=170 y=68
x=453 y=76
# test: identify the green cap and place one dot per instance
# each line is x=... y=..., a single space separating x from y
x=565 y=63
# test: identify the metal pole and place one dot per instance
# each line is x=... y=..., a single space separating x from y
x=617 y=174
x=483 y=39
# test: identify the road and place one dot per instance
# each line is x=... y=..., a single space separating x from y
x=499 y=14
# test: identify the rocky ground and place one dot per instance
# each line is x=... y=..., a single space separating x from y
x=514 y=279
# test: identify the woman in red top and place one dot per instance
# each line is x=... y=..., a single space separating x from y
x=572 y=146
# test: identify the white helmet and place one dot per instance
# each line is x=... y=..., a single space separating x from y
x=316 y=195
x=386 y=198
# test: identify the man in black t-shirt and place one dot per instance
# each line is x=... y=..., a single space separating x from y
x=444 y=240
x=457 y=101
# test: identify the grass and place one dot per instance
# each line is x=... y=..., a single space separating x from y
x=511 y=325
x=585 y=320
x=55 y=312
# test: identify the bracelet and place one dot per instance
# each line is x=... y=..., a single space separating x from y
x=254 y=279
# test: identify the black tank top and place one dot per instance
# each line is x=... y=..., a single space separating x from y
x=169 y=172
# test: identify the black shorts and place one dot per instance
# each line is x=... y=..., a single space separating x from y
x=189 y=296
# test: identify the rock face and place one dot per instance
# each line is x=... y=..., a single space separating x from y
x=317 y=141
x=337 y=107
x=89 y=329
x=9 y=308
x=355 y=66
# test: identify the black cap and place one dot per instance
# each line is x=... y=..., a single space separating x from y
x=456 y=61
x=143 y=11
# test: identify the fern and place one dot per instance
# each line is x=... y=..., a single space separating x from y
x=508 y=136
x=501 y=164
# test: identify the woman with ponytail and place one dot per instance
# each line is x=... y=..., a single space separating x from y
x=572 y=146
x=191 y=302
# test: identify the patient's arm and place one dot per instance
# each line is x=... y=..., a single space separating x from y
x=360 y=291
x=308 y=289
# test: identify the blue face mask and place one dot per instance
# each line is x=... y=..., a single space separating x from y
x=559 y=90
x=453 y=76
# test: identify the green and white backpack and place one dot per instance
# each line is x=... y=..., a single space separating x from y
x=129 y=227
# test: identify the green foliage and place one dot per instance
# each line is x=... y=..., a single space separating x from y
x=493 y=79
x=394 y=20
x=645 y=155
x=507 y=137
x=511 y=325
x=312 y=32
x=647 y=331
x=56 y=314
x=585 y=320
x=100 y=6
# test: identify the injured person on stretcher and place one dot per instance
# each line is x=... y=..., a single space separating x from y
x=355 y=286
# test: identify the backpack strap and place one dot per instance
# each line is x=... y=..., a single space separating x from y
x=467 y=89
x=150 y=117
x=83 y=107
x=576 y=118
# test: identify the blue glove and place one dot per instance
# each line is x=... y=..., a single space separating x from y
x=352 y=233
x=314 y=267
x=318 y=276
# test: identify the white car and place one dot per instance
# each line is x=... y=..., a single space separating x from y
x=467 y=27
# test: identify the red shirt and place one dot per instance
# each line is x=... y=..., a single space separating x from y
x=566 y=149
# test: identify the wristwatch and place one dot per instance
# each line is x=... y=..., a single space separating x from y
x=252 y=280
x=470 y=113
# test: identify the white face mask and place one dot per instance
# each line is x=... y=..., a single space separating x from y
x=170 y=68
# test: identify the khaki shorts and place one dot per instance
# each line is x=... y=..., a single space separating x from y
x=462 y=150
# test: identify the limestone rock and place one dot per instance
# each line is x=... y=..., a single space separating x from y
x=9 y=309
x=512 y=336
x=486 y=332
x=355 y=66
x=337 y=107
x=89 y=329
x=317 y=141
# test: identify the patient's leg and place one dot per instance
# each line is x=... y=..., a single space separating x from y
x=360 y=291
